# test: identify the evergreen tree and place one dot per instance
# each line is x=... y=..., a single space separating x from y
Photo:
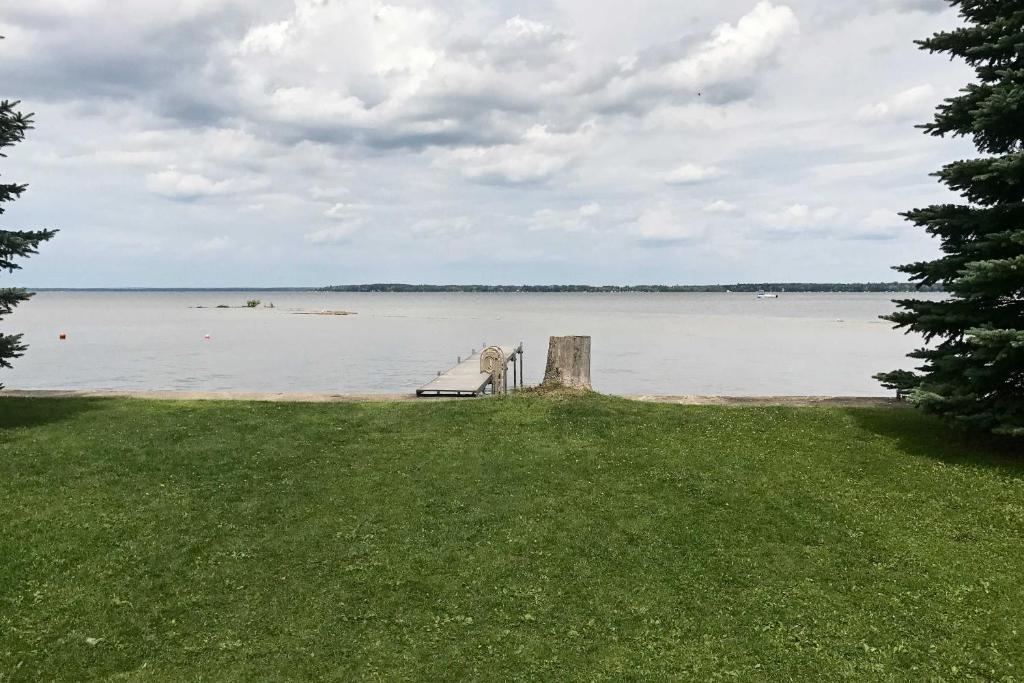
x=973 y=365
x=14 y=243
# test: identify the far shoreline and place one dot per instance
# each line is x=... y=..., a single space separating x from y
x=402 y=288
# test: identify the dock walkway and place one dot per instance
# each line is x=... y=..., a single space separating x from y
x=465 y=379
x=472 y=376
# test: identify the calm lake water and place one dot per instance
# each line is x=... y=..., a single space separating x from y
x=731 y=344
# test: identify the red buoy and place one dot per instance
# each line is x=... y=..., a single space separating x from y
x=63 y=336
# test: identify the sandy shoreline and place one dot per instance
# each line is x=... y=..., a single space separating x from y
x=795 y=401
x=310 y=397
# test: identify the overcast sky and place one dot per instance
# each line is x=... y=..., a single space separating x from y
x=307 y=142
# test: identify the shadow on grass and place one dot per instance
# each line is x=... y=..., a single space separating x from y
x=927 y=436
x=34 y=412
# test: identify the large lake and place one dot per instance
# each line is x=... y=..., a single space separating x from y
x=728 y=344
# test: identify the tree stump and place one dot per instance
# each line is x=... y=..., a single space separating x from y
x=568 y=362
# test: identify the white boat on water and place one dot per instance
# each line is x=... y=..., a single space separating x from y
x=761 y=294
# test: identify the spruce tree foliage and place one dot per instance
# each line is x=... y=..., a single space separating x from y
x=14 y=244
x=973 y=365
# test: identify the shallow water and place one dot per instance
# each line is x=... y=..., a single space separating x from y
x=731 y=344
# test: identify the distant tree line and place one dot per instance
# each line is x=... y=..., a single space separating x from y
x=743 y=287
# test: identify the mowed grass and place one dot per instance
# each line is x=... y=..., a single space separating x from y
x=525 y=538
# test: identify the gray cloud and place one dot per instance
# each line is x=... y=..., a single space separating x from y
x=929 y=6
x=472 y=129
x=76 y=56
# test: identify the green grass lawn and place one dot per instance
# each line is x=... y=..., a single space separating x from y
x=524 y=538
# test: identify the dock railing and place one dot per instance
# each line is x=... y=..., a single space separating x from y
x=494 y=360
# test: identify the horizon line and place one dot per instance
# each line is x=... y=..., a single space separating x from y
x=125 y=288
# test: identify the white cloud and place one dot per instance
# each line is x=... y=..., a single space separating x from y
x=724 y=64
x=801 y=215
x=393 y=75
x=572 y=220
x=317 y=192
x=334 y=234
x=259 y=117
x=175 y=184
x=524 y=42
x=735 y=51
x=878 y=224
x=539 y=155
x=441 y=227
x=344 y=211
x=720 y=206
x=827 y=222
x=178 y=185
x=312 y=106
x=661 y=225
x=331 y=65
x=691 y=173
x=269 y=38
x=209 y=151
x=796 y=221
x=912 y=102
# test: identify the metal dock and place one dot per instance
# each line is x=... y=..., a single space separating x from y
x=473 y=375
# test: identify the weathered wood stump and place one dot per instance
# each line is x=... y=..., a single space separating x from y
x=568 y=362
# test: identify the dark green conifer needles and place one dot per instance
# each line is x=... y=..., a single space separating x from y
x=14 y=243
x=973 y=366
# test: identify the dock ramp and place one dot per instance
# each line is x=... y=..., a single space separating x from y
x=473 y=375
